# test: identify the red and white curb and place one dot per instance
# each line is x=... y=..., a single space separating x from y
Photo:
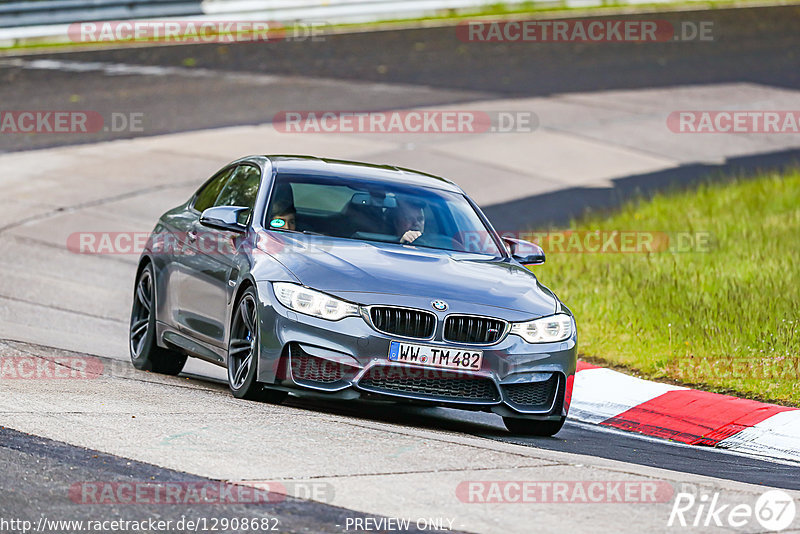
x=609 y=398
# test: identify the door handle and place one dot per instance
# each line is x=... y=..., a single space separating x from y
x=191 y=235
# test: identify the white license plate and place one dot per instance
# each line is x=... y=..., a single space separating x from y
x=449 y=358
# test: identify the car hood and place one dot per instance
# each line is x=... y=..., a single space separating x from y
x=339 y=266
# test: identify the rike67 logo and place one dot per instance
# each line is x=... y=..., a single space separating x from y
x=774 y=511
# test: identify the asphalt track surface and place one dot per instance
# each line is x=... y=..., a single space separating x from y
x=581 y=438
x=38 y=474
x=757 y=45
x=249 y=83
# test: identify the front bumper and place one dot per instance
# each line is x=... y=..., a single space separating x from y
x=348 y=359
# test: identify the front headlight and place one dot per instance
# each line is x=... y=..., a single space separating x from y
x=304 y=300
x=550 y=329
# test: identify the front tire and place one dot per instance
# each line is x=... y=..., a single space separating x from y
x=145 y=352
x=531 y=427
x=243 y=353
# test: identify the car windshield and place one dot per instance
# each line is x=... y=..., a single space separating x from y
x=373 y=210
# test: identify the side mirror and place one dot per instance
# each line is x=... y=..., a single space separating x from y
x=525 y=252
x=225 y=218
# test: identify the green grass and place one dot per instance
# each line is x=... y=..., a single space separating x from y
x=725 y=318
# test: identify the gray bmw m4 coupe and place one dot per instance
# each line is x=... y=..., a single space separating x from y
x=336 y=279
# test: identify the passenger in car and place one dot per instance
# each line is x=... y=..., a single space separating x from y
x=409 y=220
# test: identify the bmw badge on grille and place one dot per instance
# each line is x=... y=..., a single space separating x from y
x=439 y=305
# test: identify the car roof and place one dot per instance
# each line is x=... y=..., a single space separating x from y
x=314 y=166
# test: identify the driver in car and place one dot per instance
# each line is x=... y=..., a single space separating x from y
x=283 y=214
x=409 y=221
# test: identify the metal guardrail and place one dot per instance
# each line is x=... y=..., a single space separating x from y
x=54 y=12
x=47 y=12
x=339 y=10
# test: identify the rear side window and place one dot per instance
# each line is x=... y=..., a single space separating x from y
x=209 y=192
